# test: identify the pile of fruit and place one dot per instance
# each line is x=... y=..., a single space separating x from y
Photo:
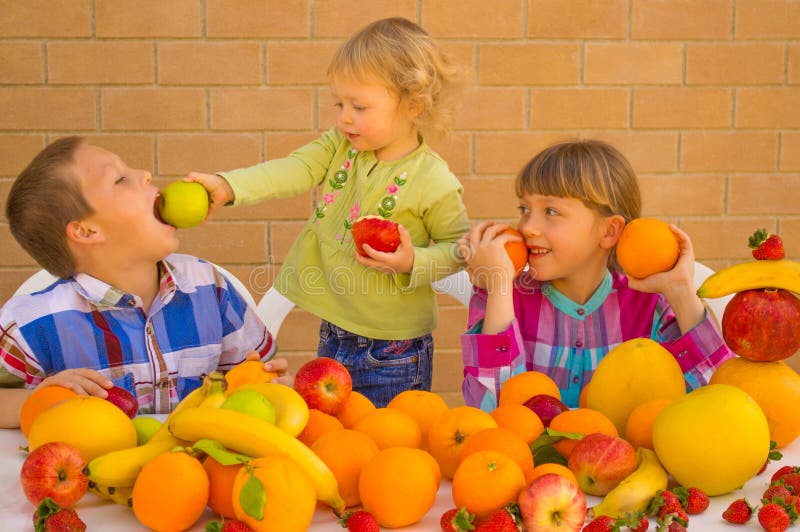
x=263 y=455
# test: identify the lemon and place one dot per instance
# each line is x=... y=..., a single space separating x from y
x=715 y=438
x=183 y=204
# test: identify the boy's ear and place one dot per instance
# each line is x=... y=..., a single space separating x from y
x=82 y=233
x=613 y=229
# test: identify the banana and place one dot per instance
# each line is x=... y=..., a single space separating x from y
x=119 y=469
x=291 y=410
x=635 y=491
x=118 y=495
x=782 y=273
x=255 y=437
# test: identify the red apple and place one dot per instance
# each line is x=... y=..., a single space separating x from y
x=546 y=407
x=762 y=324
x=124 y=400
x=552 y=503
x=600 y=462
x=324 y=383
x=379 y=233
x=54 y=470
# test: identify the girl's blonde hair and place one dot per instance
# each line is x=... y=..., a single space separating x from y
x=589 y=170
x=399 y=53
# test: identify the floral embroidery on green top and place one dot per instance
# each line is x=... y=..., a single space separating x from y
x=337 y=183
x=385 y=206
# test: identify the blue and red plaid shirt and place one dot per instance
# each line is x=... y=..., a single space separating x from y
x=566 y=341
x=197 y=323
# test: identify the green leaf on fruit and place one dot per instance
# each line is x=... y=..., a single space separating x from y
x=252 y=498
x=773 y=455
x=543 y=450
x=218 y=452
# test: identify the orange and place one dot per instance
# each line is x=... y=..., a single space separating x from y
x=774 y=386
x=318 y=424
x=583 y=421
x=424 y=406
x=397 y=486
x=558 y=469
x=639 y=428
x=247 y=372
x=517 y=251
x=39 y=400
x=171 y=492
x=220 y=486
x=485 y=481
x=519 y=419
x=390 y=427
x=522 y=387
x=647 y=246
x=288 y=501
x=345 y=452
x=582 y=396
x=503 y=441
x=354 y=408
x=447 y=437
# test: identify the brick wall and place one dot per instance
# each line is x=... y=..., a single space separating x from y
x=702 y=96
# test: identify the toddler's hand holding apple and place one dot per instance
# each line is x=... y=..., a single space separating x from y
x=218 y=188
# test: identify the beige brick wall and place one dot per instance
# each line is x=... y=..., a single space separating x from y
x=702 y=96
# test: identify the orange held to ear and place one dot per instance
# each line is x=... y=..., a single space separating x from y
x=647 y=246
x=517 y=251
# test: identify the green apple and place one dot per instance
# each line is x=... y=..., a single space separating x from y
x=183 y=204
x=145 y=428
x=251 y=402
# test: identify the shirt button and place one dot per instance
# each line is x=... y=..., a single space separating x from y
x=578 y=344
x=575 y=379
x=581 y=312
x=502 y=349
x=131 y=303
x=682 y=354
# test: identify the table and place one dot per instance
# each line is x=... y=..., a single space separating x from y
x=16 y=511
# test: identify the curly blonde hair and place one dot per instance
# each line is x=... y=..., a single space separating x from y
x=399 y=53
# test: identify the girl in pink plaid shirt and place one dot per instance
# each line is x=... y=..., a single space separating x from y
x=573 y=305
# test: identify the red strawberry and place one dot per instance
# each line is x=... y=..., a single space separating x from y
x=773 y=517
x=227 y=525
x=638 y=523
x=454 y=520
x=794 y=500
x=792 y=481
x=738 y=512
x=775 y=490
x=664 y=503
x=766 y=246
x=602 y=523
x=359 y=521
x=783 y=471
x=50 y=517
x=693 y=500
x=501 y=520
x=673 y=523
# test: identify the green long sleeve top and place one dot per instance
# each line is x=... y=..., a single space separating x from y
x=320 y=273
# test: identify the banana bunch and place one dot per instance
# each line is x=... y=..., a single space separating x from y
x=635 y=491
x=114 y=473
x=784 y=274
x=291 y=410
x=255 y=437
x=118 y=495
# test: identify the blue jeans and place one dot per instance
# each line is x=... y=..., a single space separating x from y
x=380 y=369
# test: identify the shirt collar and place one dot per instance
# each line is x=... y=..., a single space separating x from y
x=104 y=295
x=574 y=310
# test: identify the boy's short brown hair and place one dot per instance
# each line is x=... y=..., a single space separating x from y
x=44 y=198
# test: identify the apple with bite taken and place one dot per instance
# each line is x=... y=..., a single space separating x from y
x=124 y=400
x=381 y=234
x=54 y=470
x=546 y=407
x=324 y=384
x=600 y=462
x=552 y=503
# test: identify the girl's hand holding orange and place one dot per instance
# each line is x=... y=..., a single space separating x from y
x=401 y=261
x=678 y=279
x=488 y=262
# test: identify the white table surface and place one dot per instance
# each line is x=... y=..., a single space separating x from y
x=104 y=516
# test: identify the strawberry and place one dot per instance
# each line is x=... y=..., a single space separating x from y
x=792 y=481
x=665 y=502
x=693 y=500
x=50 y=517
x=776 y=490
x=738 y=512
x=228 y=525
x=359 y=521
x=783 y=471
x=766 y=246
x=773 y=517
x=454 y=520
x=602 y=523
x=501 y=520
x=638 y=523
x=793 y=500
x=672 y=523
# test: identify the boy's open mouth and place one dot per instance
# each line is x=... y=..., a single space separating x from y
x=157 y=211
